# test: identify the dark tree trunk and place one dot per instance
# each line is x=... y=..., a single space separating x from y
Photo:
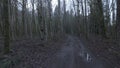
x=16 y=18
x=6 y=26
x=23 y=16
x=40 y=18
x=59 y=16
x=33 y=29
x=102 y=28
x=118 y=19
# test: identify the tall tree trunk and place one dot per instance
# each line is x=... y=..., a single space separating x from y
x=102 y=29
x=33 y=25
x=50 y=19
x=85 y=19
x=16 y=18
x=78 y=16
x=40 y=18
x=64 y=10
x=1 y=24
x=118 y=19
x=23 y=16
x=59 y=16
x=6 y=26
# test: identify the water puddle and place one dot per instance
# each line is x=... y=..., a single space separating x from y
x=85 y=55
x=90 y=59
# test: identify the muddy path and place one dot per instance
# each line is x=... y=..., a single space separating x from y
x=74 y=55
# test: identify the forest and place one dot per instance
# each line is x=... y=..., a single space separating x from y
x=59 y=33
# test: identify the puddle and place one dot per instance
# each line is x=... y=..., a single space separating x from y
x=85 y=54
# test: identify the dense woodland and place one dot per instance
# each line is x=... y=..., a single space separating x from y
x=30 y=19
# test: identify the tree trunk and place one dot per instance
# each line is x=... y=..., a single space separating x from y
x=6 y=26
x=40 y=18
x=102 y=29
x=59 y=16
x=118 y=19
x=16 y=18
x=33 y=25
x=23 y=16
x=50 y=19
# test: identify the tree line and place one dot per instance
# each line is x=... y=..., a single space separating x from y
x=17 y=19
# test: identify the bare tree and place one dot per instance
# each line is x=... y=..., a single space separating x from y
x=40 y=18
x=50 y=18
x=6 y=26
x=118 y=18
x=24 y=2
x=59 y=15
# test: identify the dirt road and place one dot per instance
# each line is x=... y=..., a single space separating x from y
x=74 y=55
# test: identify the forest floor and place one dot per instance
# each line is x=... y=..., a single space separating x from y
x=29 y=53
x=68 y=52
x=34 y=53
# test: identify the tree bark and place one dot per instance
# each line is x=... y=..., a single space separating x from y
x=23 y=17
x=6 y=26
x=118 y=19
x=102 y=29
